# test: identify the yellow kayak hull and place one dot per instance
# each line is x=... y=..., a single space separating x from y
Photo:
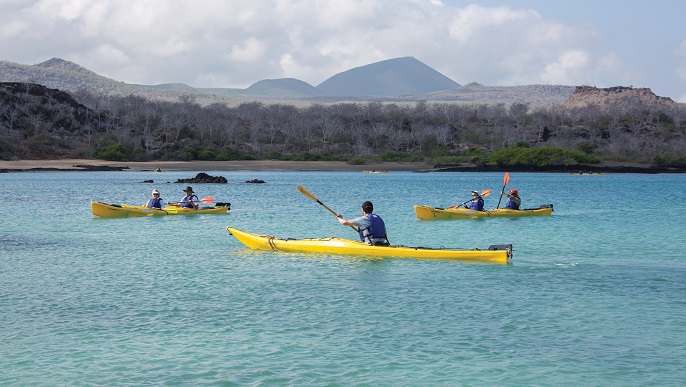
x=431 y=213
x=105 y=210
x=495 y=254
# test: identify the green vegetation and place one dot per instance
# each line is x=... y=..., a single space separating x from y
x=670 y=160
x=116 y=152
x=45 y=123
x=543 y=157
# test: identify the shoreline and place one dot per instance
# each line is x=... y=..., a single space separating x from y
x=304 y=166
x=237 y=165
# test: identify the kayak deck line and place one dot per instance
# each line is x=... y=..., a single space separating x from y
x=106 y=210
x=433 y=213
x=332 y=245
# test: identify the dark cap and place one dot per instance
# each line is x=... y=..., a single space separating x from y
x=368 y=207
x=188 y=189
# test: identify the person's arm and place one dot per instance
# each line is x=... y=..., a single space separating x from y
x=345 y=222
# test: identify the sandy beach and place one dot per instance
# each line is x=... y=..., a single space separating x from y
x=247 y=165
x=277 y=165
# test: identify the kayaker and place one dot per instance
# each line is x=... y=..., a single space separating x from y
x=155 y=201
x=371 y=227
x=189 y=201
x=477 y=202
x=513 y=200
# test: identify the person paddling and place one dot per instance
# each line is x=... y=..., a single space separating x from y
x=513 y=200
x=371 y=227
x=189 y=201
x=155 y=201
x=477 y=202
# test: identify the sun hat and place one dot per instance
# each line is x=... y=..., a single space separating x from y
x=188 y=189
x=476 y=193
x=514 y=192
x=155 y=192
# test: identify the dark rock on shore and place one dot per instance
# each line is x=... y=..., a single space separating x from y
x=81 y=168
x=255 y=181
x=203 y=178
x=88 y=167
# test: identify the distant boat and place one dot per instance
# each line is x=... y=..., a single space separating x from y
x=374 y=171
x=581 y=173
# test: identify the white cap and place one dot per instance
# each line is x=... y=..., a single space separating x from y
x=155 y=192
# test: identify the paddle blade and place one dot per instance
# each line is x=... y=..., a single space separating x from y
x=306 y=193
x=207 y=199
x=506 y=179
x=485 y=192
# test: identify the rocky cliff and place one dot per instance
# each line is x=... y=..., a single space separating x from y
x=618 y=98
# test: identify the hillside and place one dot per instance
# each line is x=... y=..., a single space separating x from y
x=63 y=75
x=618 y=99
x=394 y=80
x=59 y=74
x=387 y=78
x=43 y=123
x=285 y=87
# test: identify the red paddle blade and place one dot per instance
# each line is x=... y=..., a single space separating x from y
x=507 y=177
x=207 y=199
x=485 y=192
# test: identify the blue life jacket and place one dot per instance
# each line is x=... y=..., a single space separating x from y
x=511 y=204
x=477 y=205
x=375 y=232
x=155 y=203
x=185 y=202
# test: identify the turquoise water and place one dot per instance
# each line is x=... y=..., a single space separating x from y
x=596 y=293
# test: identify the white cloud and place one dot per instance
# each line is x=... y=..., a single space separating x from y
x=216 y=43
x=565 y=69
x=474 y=21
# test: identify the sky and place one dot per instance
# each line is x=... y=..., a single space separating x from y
x=235 y=43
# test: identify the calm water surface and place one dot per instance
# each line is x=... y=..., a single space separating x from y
x=596 y=293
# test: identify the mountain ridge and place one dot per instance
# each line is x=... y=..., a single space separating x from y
x=398 y=76
x=391 y=78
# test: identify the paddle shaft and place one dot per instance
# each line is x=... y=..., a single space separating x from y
x=207 y=199
x=506 y=179
x=334 y=212
x=309 y=195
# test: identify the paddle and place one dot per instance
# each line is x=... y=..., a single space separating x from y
x=486 y=192
x=506 y=179
x=309 y=195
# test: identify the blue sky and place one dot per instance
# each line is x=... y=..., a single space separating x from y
x=217 y=43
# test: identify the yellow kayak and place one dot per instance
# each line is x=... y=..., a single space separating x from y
x=494 y=254
x=105 y=210
x=431 y=213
